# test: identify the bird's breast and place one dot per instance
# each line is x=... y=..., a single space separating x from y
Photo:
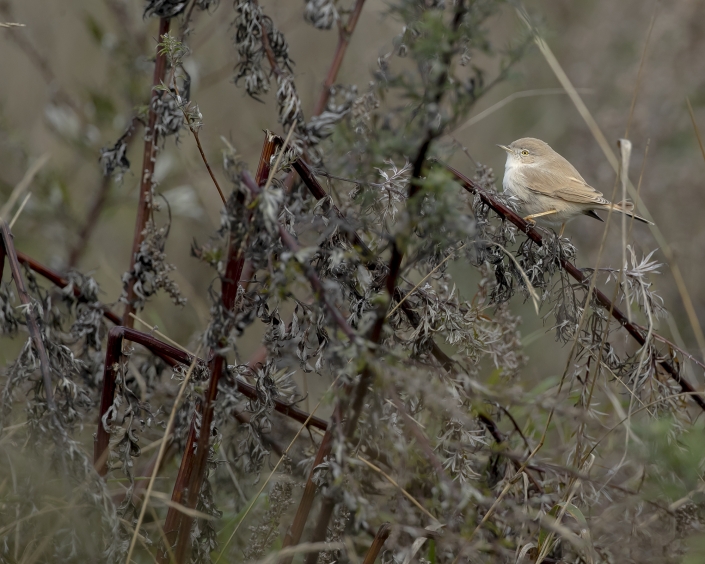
x=514 y=182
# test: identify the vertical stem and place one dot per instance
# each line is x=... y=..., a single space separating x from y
x=200 y=462
x=148 y=160
x=193 y=467
x=112 y=358
x=173 y=517
x=293 y=535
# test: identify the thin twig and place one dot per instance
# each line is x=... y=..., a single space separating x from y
x=194 y=131
x=344 y=35
x=19 y=210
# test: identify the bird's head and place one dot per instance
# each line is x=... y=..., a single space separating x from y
x=527 y=151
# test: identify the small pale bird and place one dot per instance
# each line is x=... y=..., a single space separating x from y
x=548 y=186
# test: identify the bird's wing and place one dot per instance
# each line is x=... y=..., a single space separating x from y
x=571 y=188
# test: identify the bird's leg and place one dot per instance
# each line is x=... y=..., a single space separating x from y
x=530 y=218
x=562 y=230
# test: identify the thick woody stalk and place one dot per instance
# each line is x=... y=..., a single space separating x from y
x=194 y=466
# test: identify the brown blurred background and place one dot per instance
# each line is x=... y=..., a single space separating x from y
x=70 y=79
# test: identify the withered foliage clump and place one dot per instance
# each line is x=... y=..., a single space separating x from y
x=387 y=289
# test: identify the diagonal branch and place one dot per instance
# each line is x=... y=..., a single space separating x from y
x=30 y=310
x=504 y=212
x=61 y=282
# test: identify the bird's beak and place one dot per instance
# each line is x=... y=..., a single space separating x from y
x=505 y=148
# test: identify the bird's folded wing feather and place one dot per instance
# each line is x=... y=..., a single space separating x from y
x=569 y=188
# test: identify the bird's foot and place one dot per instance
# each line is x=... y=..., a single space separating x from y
x=530 y=221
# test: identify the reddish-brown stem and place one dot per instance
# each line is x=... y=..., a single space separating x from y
x=377 y=544
x=194 y=463
x=328 y=505
x=148 y=160
x=269 y=53
x=113 y=354
x=344 y=34
x=173 y=518
x=30 y=312
x=61 y=282
x=367 y=375
x=271 y=143
x=293 y=535
x=200 y=461
x=208 y=166
x=504 y=212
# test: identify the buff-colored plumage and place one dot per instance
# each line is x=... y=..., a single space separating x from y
x=549 y=187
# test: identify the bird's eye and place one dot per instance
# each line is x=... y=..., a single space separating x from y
x=525 y=152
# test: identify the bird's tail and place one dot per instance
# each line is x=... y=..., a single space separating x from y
x=627 y=208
